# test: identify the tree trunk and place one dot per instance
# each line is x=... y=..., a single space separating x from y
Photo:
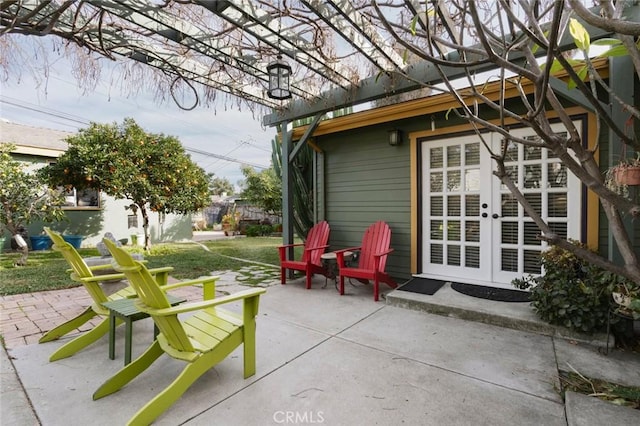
x=145 y=227
x=23 y=248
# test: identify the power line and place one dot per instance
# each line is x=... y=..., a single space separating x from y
x=224 y=157
x=32 y=107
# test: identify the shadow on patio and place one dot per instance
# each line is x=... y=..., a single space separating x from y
x=323 y=358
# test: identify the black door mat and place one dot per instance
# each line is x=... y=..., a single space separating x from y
x=491 y=293
x=422 y=286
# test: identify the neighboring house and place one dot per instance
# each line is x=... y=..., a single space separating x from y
x=450 y=217
x=89 y=213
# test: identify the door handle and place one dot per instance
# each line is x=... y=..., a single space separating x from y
x=495 y=215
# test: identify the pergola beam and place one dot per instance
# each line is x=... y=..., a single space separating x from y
x=349 y=23
x=303 y=140
x=225 y=45
x=255 y=21
x=150 y=52
x=179 y=31
x=418 y=75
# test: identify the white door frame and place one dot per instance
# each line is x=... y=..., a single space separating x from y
x=489 y=254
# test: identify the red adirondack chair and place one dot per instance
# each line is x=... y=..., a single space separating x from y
x=372 y=259
x=314 y=247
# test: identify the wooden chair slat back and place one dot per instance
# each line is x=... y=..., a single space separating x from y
x=376 y=239
x=318 y=236
x=78 y=265
x=151 y=295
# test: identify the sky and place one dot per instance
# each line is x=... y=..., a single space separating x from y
x=62 y=106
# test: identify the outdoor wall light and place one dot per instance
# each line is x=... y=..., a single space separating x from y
x=395 y=137
x=279 y=74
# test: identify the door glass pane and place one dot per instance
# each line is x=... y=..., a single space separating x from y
x=453 y=180
x=509 y=206
x=531 y=232
x=436 y=230
x=472 y=205
x=557 y=173
x=436 y=158
x=436 y=254
x=453 y=255
x=509 y=260
x=558 y=205
x=436 y=206
x=472 y=180
x=512 y=172
x=472 y=231
x=436 y=182
x=453 y=230
x=509 y=232
x=532 y=262
x=559 y=228
x=533 y=176
x=532 y=153
x=472 y=257
x=536 y=202
x=453 y=205
x=472 y=154
x=453 y=156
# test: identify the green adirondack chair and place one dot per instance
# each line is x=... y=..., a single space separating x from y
x=202 y=341
x=84 y=274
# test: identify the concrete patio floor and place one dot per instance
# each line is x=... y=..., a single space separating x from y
x=327 y=359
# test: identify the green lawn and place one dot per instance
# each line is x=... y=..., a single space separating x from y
x=46 y=270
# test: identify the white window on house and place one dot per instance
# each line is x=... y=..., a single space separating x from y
x=82 y=199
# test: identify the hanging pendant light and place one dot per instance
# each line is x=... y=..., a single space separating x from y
x=279 y=74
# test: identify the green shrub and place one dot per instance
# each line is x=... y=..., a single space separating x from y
x=253 y=230
x=572 y=292
x=258 y=230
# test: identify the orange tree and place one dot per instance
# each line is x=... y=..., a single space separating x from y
x=23 y=198
x=151 y=170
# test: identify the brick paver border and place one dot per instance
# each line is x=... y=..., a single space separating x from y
x=24 y=318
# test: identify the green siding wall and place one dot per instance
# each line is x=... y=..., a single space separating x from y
x=610 y=153
x=367 y=180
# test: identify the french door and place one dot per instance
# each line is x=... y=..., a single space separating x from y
x=473 y=229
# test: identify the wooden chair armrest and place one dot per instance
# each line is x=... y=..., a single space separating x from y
x=100 y=267
x=377 y=256
x=282 y=250
x=316 y=248
x=93 y=268
x=194 y=281
x=107 y=266
x=383 y=253
x=197 y=306
x=291 y=245
x=99 y=278
x=161 y=270
x=341 y=251
x=340 y=255
x=118 y=276
x=208 y=285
